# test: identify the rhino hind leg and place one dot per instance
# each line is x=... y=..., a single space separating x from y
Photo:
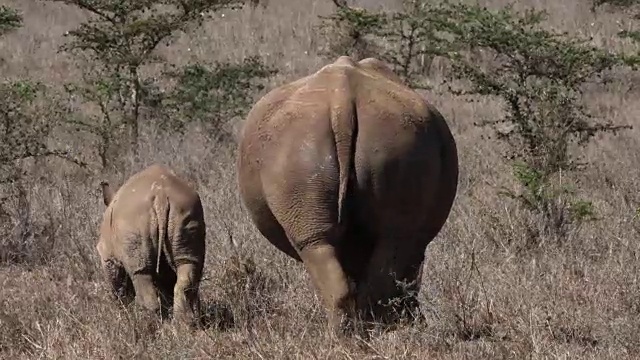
x=406 y=306
x=119 y=280
x=335 y=287
x=389 y=292
x=186 y=305
x=165 y=282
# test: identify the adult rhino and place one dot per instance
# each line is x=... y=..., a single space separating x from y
x=352 y=173
x=152 y=242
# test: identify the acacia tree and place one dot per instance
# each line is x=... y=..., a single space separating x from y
x=539 y=76
x=29 y=111
x=117 y=42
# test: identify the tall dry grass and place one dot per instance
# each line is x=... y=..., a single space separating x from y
x=486 y=294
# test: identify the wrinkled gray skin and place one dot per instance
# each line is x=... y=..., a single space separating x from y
x=152 y=243
x=352 y=173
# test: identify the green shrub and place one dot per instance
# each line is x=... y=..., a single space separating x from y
x=10 y=19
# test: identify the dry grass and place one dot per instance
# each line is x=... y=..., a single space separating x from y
x=484 y=297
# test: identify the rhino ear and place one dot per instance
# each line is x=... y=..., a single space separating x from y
x=341 y=3
x=107 y=193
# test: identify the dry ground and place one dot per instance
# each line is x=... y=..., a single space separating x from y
x=485 y=297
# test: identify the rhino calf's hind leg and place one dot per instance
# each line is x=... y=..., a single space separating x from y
x=146 y=292
x=166 y=281
x=166 y=299
x=119 y=280
x=186 y=301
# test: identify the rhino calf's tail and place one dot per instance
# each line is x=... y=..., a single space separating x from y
x=162 y=208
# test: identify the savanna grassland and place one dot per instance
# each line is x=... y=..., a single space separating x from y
x=488 y=292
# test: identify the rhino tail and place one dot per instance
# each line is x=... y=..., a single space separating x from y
x=162 y=212
x=344 y=125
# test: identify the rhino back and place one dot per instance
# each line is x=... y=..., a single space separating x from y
x=305 y=105
x=397 y=131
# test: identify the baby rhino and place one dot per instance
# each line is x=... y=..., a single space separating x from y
x=152 y=242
